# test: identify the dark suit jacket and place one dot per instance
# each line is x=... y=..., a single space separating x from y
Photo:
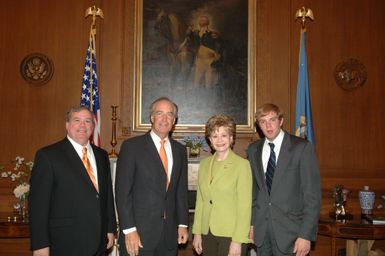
x=295 y=199
x=140 y=191
x=66 y=212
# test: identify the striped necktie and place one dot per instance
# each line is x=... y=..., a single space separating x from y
x=88 y=166
x=270 y=168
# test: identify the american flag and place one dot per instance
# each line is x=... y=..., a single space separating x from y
x=90 y=91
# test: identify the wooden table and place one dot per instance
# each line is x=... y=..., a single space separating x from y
x=355 y=228
x=12 y=229
x=14 y=236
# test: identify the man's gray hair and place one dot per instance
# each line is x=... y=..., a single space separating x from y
x=152 y=106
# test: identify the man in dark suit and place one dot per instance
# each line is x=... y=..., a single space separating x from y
x=71 y=209
x=151 y=195
x=286 y=188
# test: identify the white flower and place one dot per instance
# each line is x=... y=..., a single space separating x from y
x=20 y=174
x=19 y=160
x=21 y=190
x=30 y=165
x=15 y=176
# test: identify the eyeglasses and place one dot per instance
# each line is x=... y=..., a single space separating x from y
x=270 y=120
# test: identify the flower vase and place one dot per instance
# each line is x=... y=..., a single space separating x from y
x=194 y=152
x=23 y=211
x=366 y=201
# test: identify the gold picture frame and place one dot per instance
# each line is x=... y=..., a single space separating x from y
x=196 y=102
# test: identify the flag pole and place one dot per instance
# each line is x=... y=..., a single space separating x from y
x=94 y=12
x=303 y=119
x=90 y=90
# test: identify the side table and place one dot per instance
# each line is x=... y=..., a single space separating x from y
x=355 y=228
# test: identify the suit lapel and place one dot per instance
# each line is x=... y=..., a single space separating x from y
x=283 y=161
x=228 y=162
x=152 y=150
x=176 y=161
x=259 y=173
x=99 y=160
x=76 y=162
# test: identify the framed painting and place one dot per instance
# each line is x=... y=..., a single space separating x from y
x=201 y=55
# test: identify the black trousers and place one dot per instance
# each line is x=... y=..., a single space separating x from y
x=160 y=249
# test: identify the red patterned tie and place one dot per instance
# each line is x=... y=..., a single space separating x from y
x=88 y=166
x=163 y=157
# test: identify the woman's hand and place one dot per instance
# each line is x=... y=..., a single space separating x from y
x=235 y=249
x=197 y=244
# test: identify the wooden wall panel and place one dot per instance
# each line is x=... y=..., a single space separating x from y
x=33 y=116
x=349 y=119
x=273 y=53
x=348 y=124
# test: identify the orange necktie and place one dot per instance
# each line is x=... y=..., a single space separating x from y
x=163 y=157
x=88 y=166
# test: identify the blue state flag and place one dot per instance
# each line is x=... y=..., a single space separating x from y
x=303 y=120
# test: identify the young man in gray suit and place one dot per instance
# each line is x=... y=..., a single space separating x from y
x=151 y=188
x=286 y=188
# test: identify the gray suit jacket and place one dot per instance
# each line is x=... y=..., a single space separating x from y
x=295 y=199
x=140 y=191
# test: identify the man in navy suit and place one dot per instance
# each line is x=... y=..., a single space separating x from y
x=69 y=213
x=286 y=188
x=151 y=197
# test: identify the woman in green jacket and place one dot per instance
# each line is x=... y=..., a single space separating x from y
x=223 y=205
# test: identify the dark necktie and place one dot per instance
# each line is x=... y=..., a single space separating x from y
x=270 y=168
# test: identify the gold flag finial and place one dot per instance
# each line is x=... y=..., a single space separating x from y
x=304 y=13
x=94 y=11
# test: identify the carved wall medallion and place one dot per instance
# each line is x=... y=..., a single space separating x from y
x=36 y=69
x=350 y=74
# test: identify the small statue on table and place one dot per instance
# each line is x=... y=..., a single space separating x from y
x=340 y=195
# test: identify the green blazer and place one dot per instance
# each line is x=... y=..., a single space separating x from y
x=224 y=204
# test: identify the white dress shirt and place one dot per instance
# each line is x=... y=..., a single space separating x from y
x=266 y=149
x=167 y=146
x=90 y=155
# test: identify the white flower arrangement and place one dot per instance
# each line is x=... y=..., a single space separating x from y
x=20 y=174
x=21 y=190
